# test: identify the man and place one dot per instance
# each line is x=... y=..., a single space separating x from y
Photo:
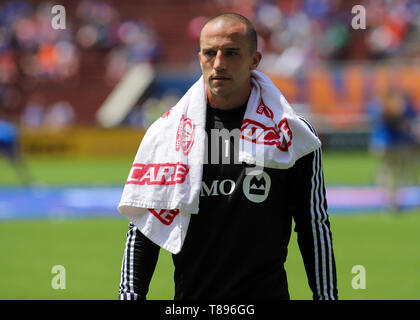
x=394 y=141
x=236 y=246
x=10 y=147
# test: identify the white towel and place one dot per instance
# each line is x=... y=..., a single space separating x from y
x=164 y=183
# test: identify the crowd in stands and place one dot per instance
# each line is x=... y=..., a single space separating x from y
x=126 y=42
x=296 y=33
x=306 y=31
x=31 y=50
x=29 y=44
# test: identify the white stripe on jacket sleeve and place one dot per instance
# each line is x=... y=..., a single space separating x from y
x=323 y=254
x=321 y=232
x=127 y=268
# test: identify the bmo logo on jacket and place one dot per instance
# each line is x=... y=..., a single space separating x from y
x=256 y=187
x=217 y=187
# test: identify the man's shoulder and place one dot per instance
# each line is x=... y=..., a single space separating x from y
x=308 y=124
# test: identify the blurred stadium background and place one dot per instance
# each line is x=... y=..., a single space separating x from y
x=79 y=99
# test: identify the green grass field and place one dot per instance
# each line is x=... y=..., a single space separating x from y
x=339 y=168
x=91 y=249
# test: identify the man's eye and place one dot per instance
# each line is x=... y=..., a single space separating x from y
x=209 y=53
x=231 y=53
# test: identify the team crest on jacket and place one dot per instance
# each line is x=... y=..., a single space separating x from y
x=256 y=187
x=185 y=135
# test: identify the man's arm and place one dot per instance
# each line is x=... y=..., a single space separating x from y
x=313 y=226
x=139 y=262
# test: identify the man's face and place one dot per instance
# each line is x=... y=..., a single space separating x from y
x=225 y=58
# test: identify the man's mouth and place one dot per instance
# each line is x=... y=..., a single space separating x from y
x=220 y=78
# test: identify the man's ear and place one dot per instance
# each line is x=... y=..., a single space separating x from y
x=200 y=56
x=256 y=58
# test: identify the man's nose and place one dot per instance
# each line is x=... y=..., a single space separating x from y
x=219 y=61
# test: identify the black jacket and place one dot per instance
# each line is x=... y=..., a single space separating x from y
x=236 y=245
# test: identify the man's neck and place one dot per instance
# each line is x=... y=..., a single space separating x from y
x=227 y=103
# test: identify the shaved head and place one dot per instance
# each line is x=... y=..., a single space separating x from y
x=228 y=53
x=235 y=18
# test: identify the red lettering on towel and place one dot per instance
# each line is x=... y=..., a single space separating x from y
x=165 y=216
x=158 y=173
